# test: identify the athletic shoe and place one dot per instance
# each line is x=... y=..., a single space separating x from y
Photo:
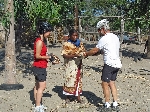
x=115 y=108
x=104 y=109
x=107 y=109
x=38 y=109
x=45 y=108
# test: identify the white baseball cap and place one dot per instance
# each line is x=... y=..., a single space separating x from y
x=103 y=23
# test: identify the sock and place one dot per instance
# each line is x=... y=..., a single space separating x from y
x=115 y=103
x=37 y=107
x=107 y=104
x=40 y=104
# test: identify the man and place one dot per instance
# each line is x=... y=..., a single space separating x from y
x=65 y=35
x=109 y=44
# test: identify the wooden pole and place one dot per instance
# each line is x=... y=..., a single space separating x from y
x=122 y=30
x=10 y=57
x=121 y=38
x=80 y=28
x=139 y=35
x=76 y=16
x=55 y=35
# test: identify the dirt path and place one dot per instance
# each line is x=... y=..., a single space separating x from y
x=133 y=85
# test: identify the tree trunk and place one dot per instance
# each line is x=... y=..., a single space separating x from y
x=2 y=36
x=10 y=57
x=148 y=48
x=76 y=16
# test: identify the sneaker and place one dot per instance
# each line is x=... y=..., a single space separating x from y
x=107 y=105
x=115 y=108
x=45 y=108
x=106 y=109
x=41 y=109
x=38 y=109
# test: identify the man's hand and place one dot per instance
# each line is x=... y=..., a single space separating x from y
x=85 y=55
x=92 y=51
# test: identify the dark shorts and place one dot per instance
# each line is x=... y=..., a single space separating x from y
x=109 y=73
x=40 y=74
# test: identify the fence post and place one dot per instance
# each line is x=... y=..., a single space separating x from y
x=55 y=35
x=139 y=35
x=122 y=29
x=121 y=36
x=80 y=28
x=76 y=16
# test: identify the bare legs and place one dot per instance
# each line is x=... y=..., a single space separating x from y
x=106 y=86
x=113 y=90
x=106 y=91
x=38 y=92
x=35 y=89
x=78 y=98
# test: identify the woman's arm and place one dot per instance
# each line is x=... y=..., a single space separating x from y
x=70 y=56
x=39 y=45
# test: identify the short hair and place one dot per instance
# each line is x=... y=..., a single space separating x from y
x=72 y=31
x=103 y=24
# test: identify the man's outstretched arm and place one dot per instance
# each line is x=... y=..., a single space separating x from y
x=92 y=51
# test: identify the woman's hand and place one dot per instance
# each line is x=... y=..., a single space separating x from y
x=85 y=55
x=77 y=55
x=82 y=55
x=72 y=56
x=54 y=59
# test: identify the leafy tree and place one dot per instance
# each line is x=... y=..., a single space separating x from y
x=1 y=8
x=10 y=59
x=34 y=10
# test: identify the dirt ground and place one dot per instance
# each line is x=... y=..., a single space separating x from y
x=133 y=83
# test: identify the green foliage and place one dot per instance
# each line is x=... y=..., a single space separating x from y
x=66 y=12
x=62 y=12
x=34 y=10
x=5 y=14
x=1 y=8
x=128 y=8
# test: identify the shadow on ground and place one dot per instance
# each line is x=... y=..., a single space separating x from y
x=90 y=96
x=9 y=87
x=96 y=69
x=24 y=60
x=59 y=91
x=2 y=59
x=31 y=92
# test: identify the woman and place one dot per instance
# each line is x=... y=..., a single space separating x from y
x=40 y=64
x=72 y=53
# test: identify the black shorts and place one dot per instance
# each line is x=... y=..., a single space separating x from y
x=109 y=73
x=40 y=74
